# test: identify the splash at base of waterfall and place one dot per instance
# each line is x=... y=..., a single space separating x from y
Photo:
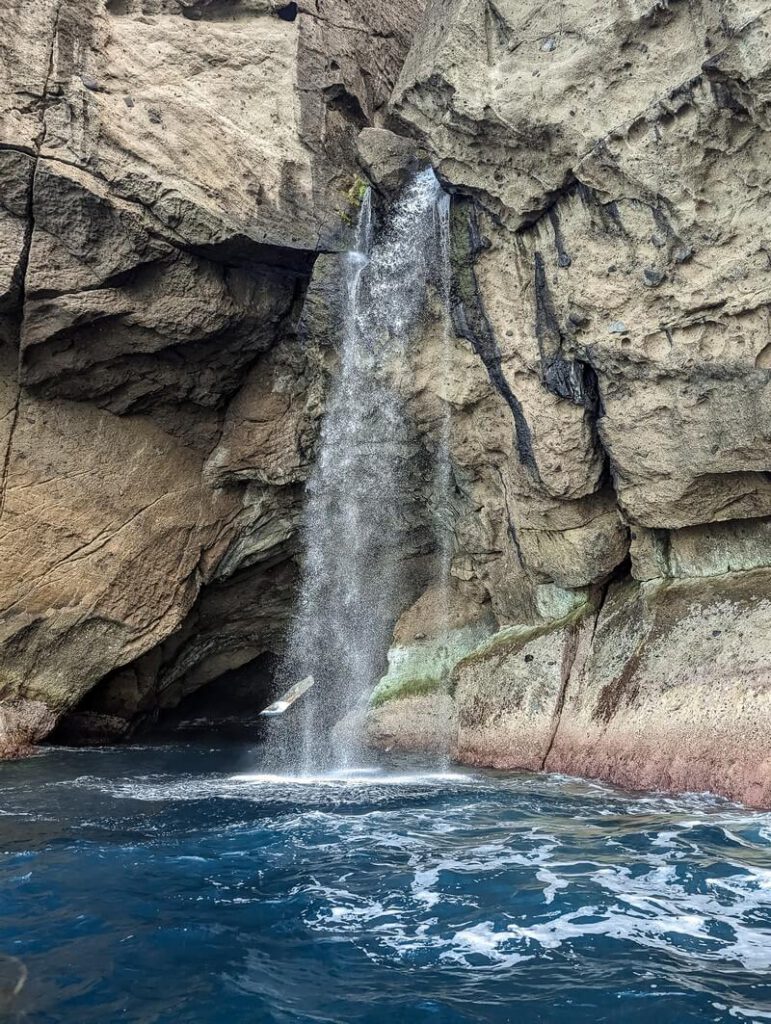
x=343 y=780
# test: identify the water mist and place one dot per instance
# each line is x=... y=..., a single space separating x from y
x=354 y=523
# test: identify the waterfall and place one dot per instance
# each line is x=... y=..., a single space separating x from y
x=355 y=525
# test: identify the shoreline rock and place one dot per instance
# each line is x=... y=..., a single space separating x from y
x=180 y=181
x=660 y=686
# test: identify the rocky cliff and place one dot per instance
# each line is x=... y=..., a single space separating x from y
x=178 y=177
x=610 y=171
x=170 y=172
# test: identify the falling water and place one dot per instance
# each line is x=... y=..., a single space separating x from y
x=355 y=523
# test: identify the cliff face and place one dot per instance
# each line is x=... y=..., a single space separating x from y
x=170 y=171
x=177 y=178
x=612 y=271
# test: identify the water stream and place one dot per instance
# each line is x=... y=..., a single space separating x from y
x=356 y=521
x=200 y=884
x=443 y=484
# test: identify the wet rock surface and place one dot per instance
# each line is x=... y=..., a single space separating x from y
x=170 y=171
x=609 y=172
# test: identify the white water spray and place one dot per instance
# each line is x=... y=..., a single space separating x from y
x=355 y=520
x=443 y=477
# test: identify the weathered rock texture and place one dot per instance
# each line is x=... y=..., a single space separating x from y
x=675 y=691
x=610 y=172
x=618 y=283
x=170 y=170
x=179 y=177
x=660 y=685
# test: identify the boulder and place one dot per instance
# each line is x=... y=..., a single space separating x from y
x=389 y=160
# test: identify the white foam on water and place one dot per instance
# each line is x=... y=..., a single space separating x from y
x=729 y=902
x=266 y=785
x=483 y=940
x=660 y=908
x=552 y=883
x=685 y=879
x=353 y=777
x=749 y=1014
x=613 y=924
x=423 y=885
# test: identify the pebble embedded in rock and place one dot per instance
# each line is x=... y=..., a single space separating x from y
x=618 y=327
x=549 y=45
x=90 y=83
x=154 y=116
x=653 y=277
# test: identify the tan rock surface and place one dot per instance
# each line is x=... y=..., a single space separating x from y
x=424 y=724
x=509 y=693
x=676 y=693
x=169 y=171
x=107 y=534
x=610 y=177
x=619 y=159
x=667 y=688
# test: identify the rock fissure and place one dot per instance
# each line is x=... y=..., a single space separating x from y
x=23 y=263
x=8 y=449
x=569 y=653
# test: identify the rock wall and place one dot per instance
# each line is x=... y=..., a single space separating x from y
x=170 y=171
x=610 y=172
x=178 y=178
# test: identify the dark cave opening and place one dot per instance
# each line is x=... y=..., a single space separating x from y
x=228 y=706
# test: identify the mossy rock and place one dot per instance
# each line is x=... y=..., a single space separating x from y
x=410 y=686
x=354 y=197
x=425 y=667
x=357 y=191
x=513 y=638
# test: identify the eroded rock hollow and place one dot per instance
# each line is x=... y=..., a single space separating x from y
x=179 y=180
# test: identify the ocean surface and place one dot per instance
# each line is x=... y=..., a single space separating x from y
x=189 y=884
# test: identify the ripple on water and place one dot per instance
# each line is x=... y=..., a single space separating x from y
x=270 y=897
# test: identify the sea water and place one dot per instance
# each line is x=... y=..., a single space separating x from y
x=195 y=884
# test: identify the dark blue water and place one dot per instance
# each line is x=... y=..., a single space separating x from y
x=154 y=885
